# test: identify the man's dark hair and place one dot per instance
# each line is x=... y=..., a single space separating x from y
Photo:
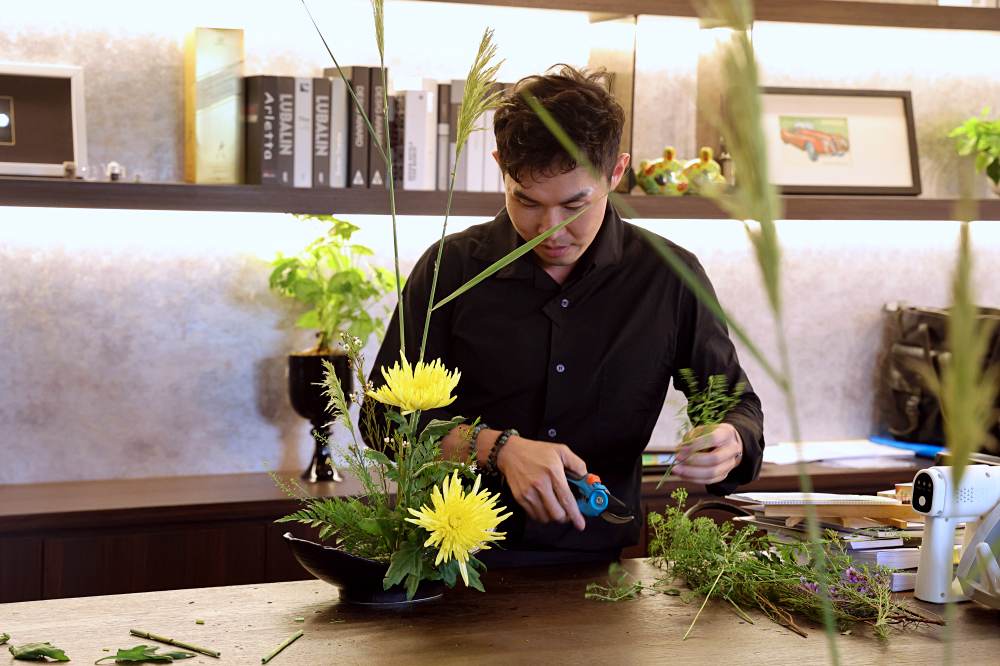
x=582 y=105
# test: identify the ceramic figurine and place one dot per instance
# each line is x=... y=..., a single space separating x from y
x=663 y=176
x=704 y=172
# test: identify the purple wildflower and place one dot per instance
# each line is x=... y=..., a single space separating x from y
x=808 y=586
x=851 y=576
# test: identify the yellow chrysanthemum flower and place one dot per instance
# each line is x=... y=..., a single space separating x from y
x=460 y=522
x=426 y=386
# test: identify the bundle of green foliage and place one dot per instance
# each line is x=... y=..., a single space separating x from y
x=705 y=409
x=781 y=580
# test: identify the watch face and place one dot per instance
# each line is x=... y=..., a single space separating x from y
x=6 y=121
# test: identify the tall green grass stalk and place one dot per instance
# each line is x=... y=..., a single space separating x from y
x=385 y=152
x=481 y=94
x=754 y=200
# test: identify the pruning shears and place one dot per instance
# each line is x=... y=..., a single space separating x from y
x=594 y=499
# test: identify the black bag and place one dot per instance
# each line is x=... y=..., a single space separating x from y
x=908 y=410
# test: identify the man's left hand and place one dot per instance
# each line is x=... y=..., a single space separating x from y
x=708 y=454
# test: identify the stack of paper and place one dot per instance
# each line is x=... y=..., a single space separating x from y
x=786 y=453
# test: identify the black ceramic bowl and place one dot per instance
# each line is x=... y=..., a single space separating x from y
x=359 y=579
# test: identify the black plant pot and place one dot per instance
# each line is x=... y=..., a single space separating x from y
x=305 y=389
x=359 y=579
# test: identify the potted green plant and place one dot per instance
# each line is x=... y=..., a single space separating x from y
x=340 y=288
x=982 y=135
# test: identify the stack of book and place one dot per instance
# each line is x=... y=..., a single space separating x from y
x=307 y=132
x=874 y=529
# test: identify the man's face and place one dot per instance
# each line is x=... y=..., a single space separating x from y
x=539 y=203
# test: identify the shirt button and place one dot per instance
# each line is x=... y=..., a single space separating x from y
x=552 y=432
x=564 y=302
x=560 y=368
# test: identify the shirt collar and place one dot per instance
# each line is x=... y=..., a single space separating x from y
x=501 y=238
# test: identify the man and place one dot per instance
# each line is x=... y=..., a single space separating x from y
x=573 y=345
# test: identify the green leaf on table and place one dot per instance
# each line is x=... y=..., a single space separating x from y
x=4 y=638
x=38 y=652
x=145 y=654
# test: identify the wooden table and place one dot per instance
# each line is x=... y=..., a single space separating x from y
x=527 y=616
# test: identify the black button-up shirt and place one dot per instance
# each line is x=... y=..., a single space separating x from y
x=586 y=363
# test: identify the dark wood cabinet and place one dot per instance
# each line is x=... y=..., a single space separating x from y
x=137 y=535
x=20 y=568
x=140 y=560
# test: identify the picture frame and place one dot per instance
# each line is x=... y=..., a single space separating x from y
x=42 y=119
x=845 y=142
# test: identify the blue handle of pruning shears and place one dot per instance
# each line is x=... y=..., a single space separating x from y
x=594 y=499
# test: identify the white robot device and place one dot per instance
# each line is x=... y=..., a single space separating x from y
x=975 y=502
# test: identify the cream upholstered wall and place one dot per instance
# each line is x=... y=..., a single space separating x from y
x=145 y=344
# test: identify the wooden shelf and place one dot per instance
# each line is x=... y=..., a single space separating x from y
x=35 y=192
x=835 y=12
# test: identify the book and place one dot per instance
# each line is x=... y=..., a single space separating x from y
x=286 y=131
x=303 y=151
x=457 y=164
x=359 y=142
x=339 y=131
x=421 y=136
x=443 y=133
x=376 y=164
x=894 y=558
x=797 y=498
x=870 y=543
x=213 y=106
x=321 y=132
x=261 y=101
x=903 y=581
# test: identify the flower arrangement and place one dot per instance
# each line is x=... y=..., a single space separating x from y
x=414 y=514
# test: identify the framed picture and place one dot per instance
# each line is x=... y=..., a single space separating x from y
x=824 y=141
x=42 y=119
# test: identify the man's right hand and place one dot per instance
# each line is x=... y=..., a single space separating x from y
x=536 y=474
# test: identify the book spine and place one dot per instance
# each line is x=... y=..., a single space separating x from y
x=339 y=132
x=357 y=157
x=421 y=140
x=492 y=178
x=286 y=131
x=443 y=132
x=261 y=124
x=397 y=138
x=321 y=133
x=376 y=165
x=475 y=148
x=303 y=132
x=457 y=163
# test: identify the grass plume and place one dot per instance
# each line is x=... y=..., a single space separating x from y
x=481 y=94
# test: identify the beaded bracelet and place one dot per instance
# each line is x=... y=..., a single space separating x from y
x=491 y=465
x=472 y=442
